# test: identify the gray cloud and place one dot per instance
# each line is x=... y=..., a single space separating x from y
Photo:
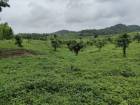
x=53 y=15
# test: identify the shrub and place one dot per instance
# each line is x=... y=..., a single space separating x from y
x=128 y=73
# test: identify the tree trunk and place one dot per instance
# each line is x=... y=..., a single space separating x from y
x=124 y=51
x=76 y=53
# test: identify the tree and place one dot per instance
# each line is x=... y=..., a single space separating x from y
x=109 y=39
x=18 y=41
x=99 y=43
x=75 y=46
x=123 y=41
x=90 y=43
x=137 y=37
x=55 y=42
x=3 y=3
x=6 y=31
x=95 y=36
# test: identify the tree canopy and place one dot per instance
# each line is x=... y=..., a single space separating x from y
x=3 y=3
x=6 y=31
x=123 y=41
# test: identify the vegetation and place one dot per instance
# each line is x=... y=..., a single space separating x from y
x=99 y=43
x=91 y=78
x=6 y=31
x=75 y=46
x=55 y=43
x=3 y=3
x=35 y=36
x=117 y=29
x=18 y=41
x=137 y=37
x=123 y=41
x=36 y=75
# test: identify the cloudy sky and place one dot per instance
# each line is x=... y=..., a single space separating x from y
x=53 y=15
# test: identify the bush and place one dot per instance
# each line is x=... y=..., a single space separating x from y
x=128 y=73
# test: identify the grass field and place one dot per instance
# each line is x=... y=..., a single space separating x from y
x=61 y=78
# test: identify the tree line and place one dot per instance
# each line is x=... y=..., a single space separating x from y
x=34 y=36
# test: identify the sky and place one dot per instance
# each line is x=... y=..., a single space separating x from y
x=45 y=16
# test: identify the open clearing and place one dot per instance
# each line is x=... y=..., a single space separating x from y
x=61 y=78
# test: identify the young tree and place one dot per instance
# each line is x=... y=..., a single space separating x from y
x=75 y=46
x=3 y=3
x=55 y=43
x=99 y=43
x=18 y=41
x=109 y=39
x=95 y=36
x=123 y=41
x=89 y=43
x=137 y=37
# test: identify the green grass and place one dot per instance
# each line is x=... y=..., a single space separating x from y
x=61 y=78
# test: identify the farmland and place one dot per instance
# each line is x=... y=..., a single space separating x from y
x=42 y=76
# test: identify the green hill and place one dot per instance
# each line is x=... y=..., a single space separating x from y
x=117 y=29
x=64 y=32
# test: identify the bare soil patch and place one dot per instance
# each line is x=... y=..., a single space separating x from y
x=6 y=53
